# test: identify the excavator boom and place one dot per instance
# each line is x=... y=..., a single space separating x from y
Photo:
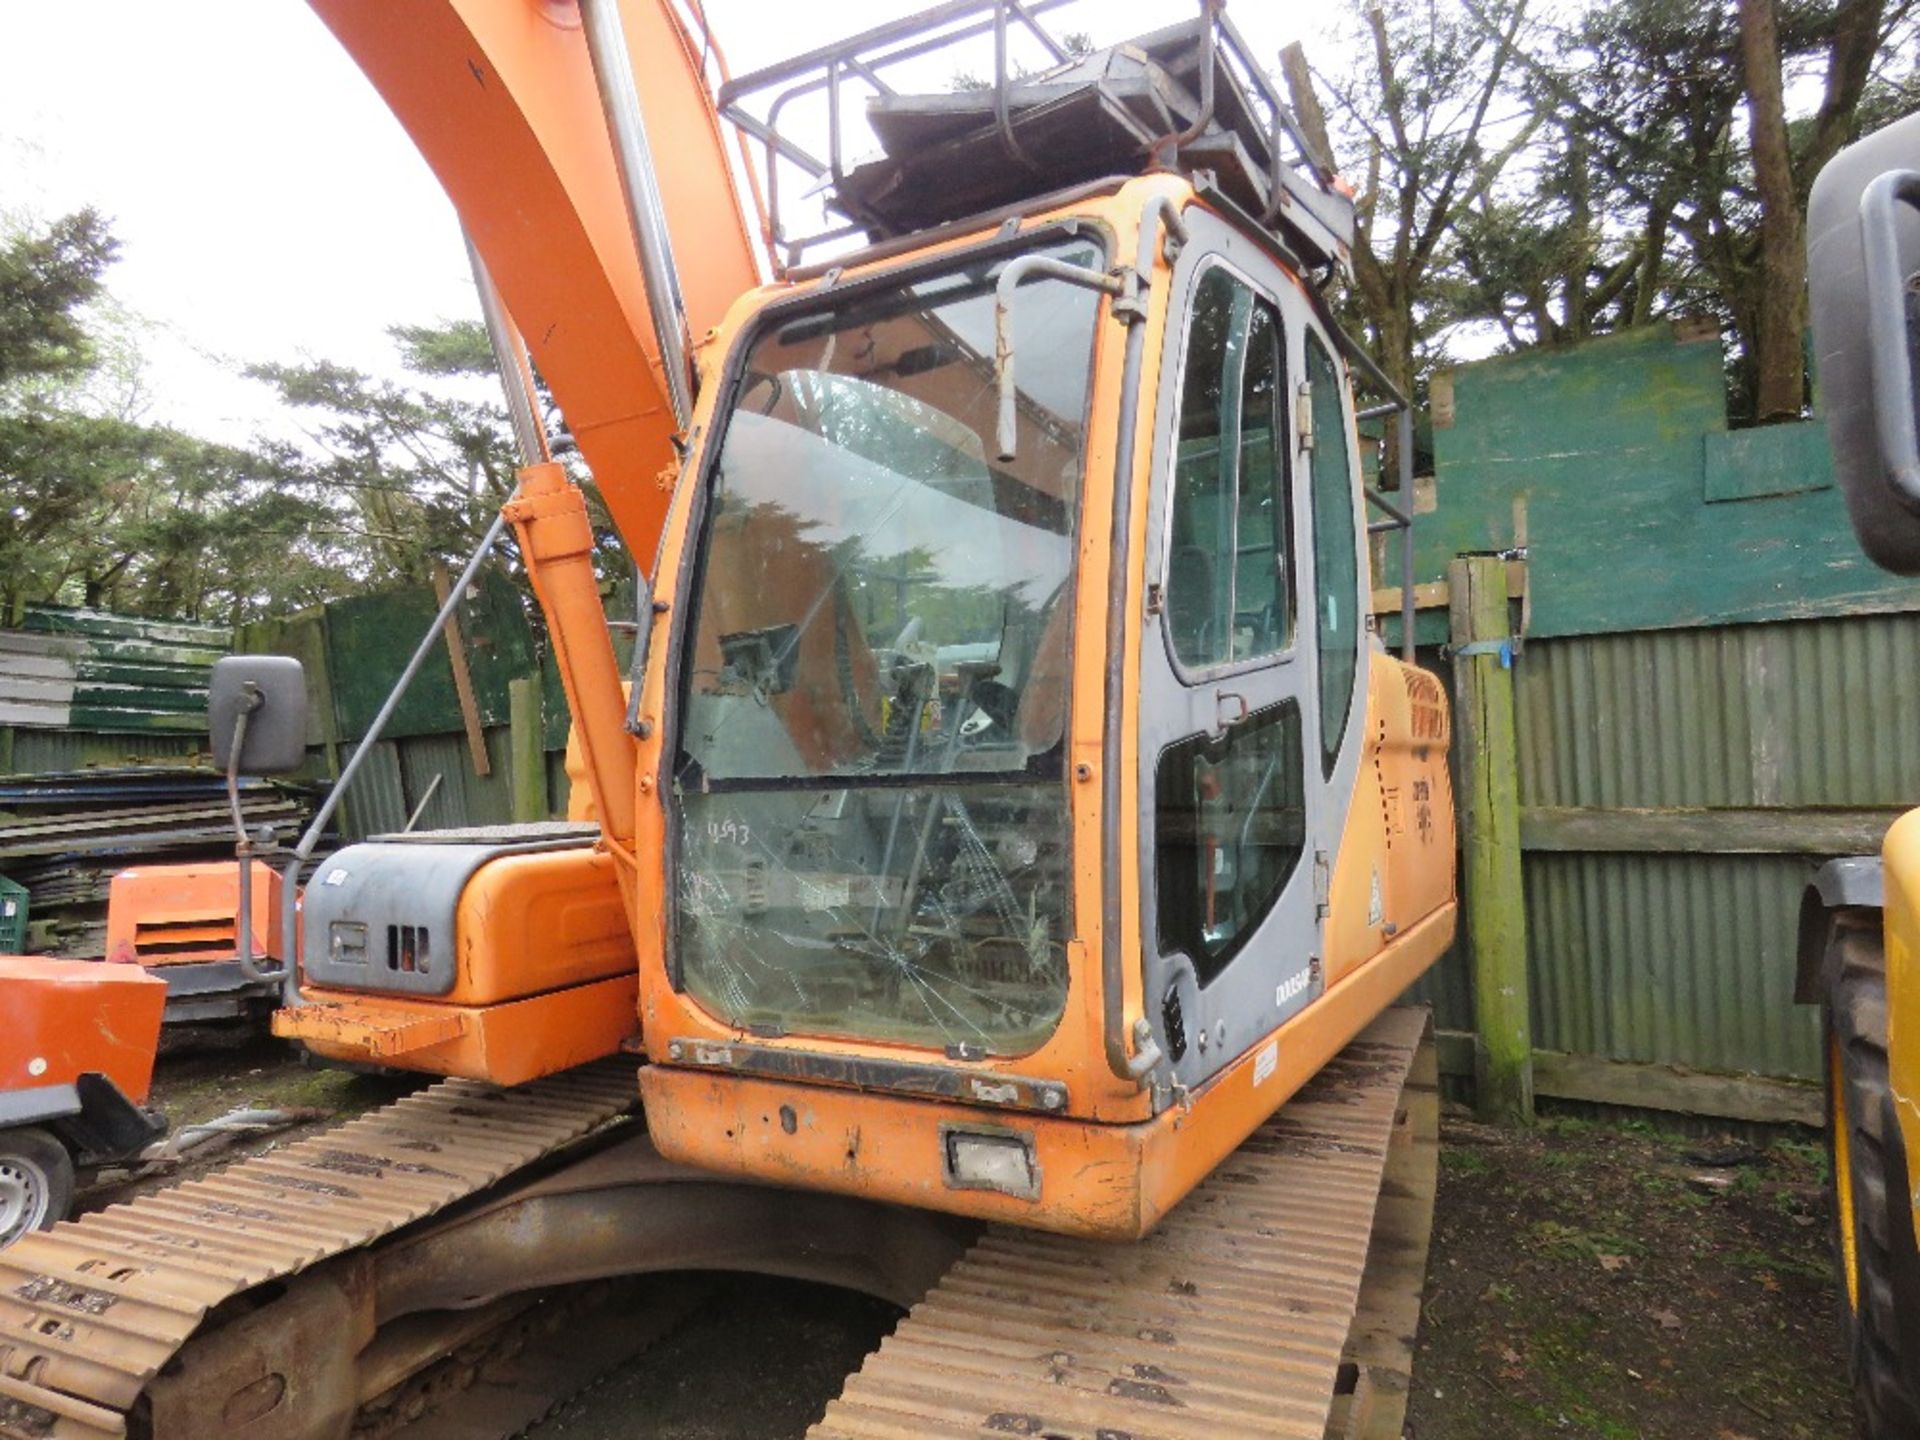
x=499 y=96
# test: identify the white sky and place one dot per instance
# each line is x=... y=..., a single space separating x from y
x=267 y=204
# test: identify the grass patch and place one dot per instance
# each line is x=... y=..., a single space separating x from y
x=1570 y=1242
x=1464 y=1162
x=1762 y=1262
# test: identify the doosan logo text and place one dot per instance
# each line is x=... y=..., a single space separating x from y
x=1293 y=985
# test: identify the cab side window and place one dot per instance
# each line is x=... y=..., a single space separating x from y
x=1336 y=560
x=1229 y=558
x=1232 y=829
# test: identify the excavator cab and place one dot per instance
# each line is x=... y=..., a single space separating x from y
x=1030 y=801
x=1012 y=802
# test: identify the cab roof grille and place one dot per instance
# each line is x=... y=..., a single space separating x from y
x=1186 y=98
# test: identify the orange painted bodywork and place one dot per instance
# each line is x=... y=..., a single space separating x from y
x=60 y=1019
x=537 y=922
x=188 y=913
x=506 y=1044
x=499 y=97
x=1110 y=1166
x=544 y=980
x=1075 y=1053
x=1395 y=862
x=549 y=516
x=1109 y=1182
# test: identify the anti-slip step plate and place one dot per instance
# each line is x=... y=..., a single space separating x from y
x=1228 y=1321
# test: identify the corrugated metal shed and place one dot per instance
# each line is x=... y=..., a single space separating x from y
x=1689 y=958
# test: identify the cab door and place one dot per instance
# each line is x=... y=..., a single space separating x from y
x=1239 y=764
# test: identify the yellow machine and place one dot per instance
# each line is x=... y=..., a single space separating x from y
x=1011 y=804
x=1860 y=920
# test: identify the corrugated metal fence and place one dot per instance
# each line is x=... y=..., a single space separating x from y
x=1786 y=732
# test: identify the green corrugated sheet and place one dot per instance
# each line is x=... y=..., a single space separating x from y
x=1819 y=712
x=47 y=752
x=1689 y=958
x=85 y=671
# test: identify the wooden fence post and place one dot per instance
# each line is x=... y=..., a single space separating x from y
x=462 y=676
x=1490 y=837
x=526 y=745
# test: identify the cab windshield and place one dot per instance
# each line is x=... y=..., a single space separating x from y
x=872 y=808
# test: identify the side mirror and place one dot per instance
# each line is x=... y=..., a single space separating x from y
x=1863 y=254
x=270 y=692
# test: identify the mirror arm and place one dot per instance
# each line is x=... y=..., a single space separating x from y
x=1890 y=343
x=251 y=700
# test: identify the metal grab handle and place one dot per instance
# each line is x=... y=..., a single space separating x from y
x=1160 y=215
x=1889 y=350
x=1006 y=433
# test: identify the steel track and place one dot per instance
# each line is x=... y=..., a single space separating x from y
x=1230 y=1320
x=91 y=1310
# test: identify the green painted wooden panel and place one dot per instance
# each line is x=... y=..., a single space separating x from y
x=1606 y=447
x=1771 y=460
x=302 y=635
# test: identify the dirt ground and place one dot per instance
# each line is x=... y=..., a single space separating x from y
x=1600 y=1279
x=1590 y=1278
x=758 y=1360
x=204 y=1080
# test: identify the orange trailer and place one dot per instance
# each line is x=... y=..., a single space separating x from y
x=77 y=1043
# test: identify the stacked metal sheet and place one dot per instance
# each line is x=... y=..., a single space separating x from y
x=64 y=835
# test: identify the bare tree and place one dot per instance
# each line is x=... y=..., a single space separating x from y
x=1416 y=111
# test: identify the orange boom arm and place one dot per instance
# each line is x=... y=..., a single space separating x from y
x=499 y=97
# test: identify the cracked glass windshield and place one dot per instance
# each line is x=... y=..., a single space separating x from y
x=870 y=786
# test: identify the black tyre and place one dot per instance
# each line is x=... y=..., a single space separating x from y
x=36 y=1182
x=1873 y=1230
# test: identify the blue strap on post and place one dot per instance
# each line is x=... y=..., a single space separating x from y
x=1502 y=648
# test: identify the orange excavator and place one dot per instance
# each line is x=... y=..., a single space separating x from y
x=1010 y=806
